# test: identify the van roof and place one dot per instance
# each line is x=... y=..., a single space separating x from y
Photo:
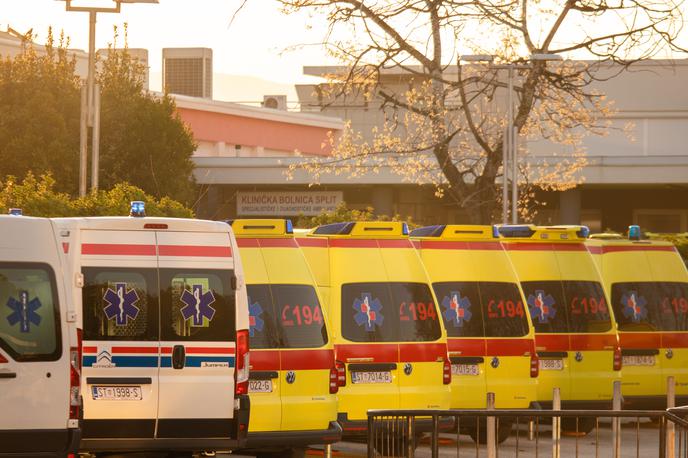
x=262 y=228
x=551 y=234
x=151 y=223
x=456 y=232
x=363 y=229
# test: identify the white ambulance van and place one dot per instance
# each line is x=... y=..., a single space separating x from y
x=165 y=324
x=39 y=362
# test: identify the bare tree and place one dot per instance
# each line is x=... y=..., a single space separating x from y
x=441 y=125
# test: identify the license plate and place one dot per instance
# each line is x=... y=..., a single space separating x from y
x=116 y=393
x=551 y=364
x=260 y=386
x=465 y=369
x=638 y=360
x=371 y=377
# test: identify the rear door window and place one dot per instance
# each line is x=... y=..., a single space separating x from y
x=30 y=322
x=389 y=312
x=197 y=305
x=567 y=306
x=285 y=316
x=120 y=304
x=482 y=309
x=651 y=306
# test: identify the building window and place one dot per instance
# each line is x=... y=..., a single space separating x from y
x=658 y=220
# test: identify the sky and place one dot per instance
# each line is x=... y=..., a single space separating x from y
x=253 y=45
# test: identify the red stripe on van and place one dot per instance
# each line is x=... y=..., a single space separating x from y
x=247 y=243
x=3 y=359
x=311 y=242
x=353 y=243
x=202 y=350
x=379 y=353
x=455 y=245
x=675 y=340
x=307 y=359
x=265 y=360
x=135 y=350
x=640 y=340
x=195 y=251
x=117 y=249
x=538 y=246
x=422 y=352
x=403 y=243
x=509 y=347
x=90 y=349
x=615 y=249
x=467 y=347
x=594 y=249
x=575 y=342
x=278 y=243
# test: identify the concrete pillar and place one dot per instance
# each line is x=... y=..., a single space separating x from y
x=382 y=200
x=570 y=206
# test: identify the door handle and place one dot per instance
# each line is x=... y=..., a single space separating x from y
x=178 y=357
x=5 y=374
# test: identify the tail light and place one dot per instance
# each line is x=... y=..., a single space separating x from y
x=446 y=372
x=341 y=373
x=534 y=365
x=75 y=378
x=617 y=358
x=334 y=380
x=242 y=362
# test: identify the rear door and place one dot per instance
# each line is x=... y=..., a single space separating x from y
x=34 y=368
x=120 y=340
x=198 y=335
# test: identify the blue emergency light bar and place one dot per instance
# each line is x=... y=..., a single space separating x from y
x=495 y=231
x=138 y=209
x=584 y=232
x=404 y=229
x=16 y=212
x=428 y=231
x=516 y=231
x=289 y=227
x=634 y=232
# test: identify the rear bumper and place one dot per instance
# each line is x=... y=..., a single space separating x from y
x=651 y=402
x=359 y=428
x=289 y=439
x=228 y=434
x=39 y=443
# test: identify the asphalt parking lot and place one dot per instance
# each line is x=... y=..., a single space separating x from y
x=638 y=439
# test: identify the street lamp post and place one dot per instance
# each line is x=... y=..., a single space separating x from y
x=510 y=138
x=91 y=97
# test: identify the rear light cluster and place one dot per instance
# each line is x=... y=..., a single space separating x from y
x=446 y=372
x=242 y=362
x=340 y=367
x=75 y=378
x=334 y=380
x=617 y=358
x=534 y=365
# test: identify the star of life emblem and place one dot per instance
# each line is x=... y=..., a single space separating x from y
x=457 y=309
x=24 y=311
x=255 y=322
x=635 y=306
x=368 y=312
x=197 y=306
x=121 y=304
x=541 y=306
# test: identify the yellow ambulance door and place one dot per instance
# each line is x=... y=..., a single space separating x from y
x=636 y=306
x=537 y=267
x=363 y=312
x=669 y=271
x=264 y=380
x=593 y=338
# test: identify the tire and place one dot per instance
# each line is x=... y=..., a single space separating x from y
x=503 y=432
x=585 y=425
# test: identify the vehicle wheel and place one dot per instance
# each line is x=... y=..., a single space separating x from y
x=503 y=432
x=585 y=425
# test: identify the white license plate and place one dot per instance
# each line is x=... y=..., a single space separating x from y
x=465 y=369
x=116 y=393
x=260 y=386
x=551 y=364
x=371 y=377
x=638 y=360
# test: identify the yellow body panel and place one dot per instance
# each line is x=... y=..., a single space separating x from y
x=626 y=261
x=306 y=404
x=452 y=258
x=587 y=374
x=336 y=264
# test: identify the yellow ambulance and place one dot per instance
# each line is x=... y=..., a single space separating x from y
x=647 y=284
x=575 y=332
x=490 y=336
x=390 y=344
x=292 y=378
